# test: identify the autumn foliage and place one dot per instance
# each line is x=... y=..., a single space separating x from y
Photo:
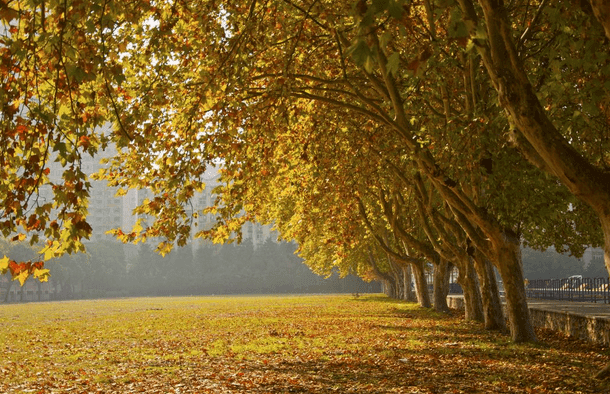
x=382 y=136
x=21 y=271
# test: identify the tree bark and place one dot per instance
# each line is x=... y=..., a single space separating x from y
x=396 y=272
x=501 y=246
x=517 y=96
x=410 y=293
x=467 y=278
x=601 y=10
x=421 y=285
x=511 y=270
x=604 y=217
x=441 y=286
x=490 y=295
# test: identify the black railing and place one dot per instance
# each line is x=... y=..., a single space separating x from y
x=570 y=289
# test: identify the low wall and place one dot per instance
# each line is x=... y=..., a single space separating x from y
x=590 y=328
x=455 y=302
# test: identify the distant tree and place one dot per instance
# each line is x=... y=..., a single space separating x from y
x=69 y=273
x=19 y=251
x=179 y=265
x=107 y=269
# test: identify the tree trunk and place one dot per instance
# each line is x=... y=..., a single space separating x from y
x=409 y=291
x=503 y=248
x=605 y=220
x=421 y=285
x=490 y=295
x=386 y=287
x=601 y=10
x=397 y=278
x=400 y=283
x=441 y=286
x=395 y=288
x=467 y=278
x=8 y=291
x=511 y=271
x=604 y=217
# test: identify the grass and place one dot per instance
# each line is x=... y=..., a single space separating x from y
x=277 y=344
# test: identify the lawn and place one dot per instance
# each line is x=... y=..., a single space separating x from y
x=277 y=344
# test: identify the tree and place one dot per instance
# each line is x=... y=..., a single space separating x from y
x=548 y=135
x=69 y=274
x=107 y=268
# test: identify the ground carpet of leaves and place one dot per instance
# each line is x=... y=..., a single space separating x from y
x=292 y=344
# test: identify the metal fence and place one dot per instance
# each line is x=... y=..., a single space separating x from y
x=570 y=289
x=595 y=290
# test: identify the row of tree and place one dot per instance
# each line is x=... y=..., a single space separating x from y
x=380 y=135
x=233 y=269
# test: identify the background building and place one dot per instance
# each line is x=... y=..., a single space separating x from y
x=256 y=233
x=108 y=211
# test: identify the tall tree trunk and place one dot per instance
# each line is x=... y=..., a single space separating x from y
x=441 y=286
x=490 y=295
x=389 y=288
x=511 y=271
x=397 y=278
x=467 y=278
x=409 y=291
x=604 y=217
x=400 y=280
x=601 y=10
x=543 y=144
x=387 y=280
x=8 y=291
x=421 y=285
x=502 y=246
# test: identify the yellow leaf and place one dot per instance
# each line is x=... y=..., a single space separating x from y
x=4 y=265
x=42 y=274
x=137 y=228
x=50 y=250
x=49 y=254
x=22 y=277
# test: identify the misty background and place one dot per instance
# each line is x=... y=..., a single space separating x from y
x=112 y=269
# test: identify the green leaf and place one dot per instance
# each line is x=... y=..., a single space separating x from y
x=76 y=72
x=393 y=63
x=381 y=5
x=395 y=9
x=385 y=39
x=360 y=52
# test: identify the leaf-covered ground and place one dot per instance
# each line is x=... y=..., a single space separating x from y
x=294 y=344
